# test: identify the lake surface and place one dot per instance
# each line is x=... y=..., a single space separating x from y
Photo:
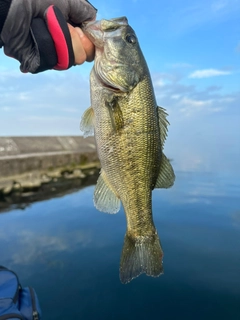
x=70 y=252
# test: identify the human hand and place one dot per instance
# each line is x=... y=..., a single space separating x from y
x=36 y=33
x=83 y=48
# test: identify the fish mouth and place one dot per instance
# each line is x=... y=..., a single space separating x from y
x=95 y=30
x=104 y=24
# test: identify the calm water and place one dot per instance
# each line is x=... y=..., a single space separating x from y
x=69 y=252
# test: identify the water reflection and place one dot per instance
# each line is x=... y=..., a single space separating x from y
x=57 y=188
x=68 y=250
x=236 y=218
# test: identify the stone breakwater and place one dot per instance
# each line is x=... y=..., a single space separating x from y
x=26 y=163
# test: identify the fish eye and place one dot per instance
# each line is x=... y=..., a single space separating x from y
x=131 y=38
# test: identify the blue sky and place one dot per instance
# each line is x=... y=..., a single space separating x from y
x=192 y=48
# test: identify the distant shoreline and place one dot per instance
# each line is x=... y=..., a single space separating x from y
x=29 y=164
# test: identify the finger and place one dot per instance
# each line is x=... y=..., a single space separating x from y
x=88 y=46
x=78 y=49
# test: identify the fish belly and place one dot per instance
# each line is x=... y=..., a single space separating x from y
x=130 y=156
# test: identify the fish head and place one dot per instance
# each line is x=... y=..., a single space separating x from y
x=119 y=62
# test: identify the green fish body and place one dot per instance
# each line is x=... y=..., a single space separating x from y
x=130 y=130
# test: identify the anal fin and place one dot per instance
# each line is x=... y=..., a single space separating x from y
x=105 y=198
x=166 y=175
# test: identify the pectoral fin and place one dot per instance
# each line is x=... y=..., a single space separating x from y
x=115 y=113
x=166 y=175
x=87 y=122
x=163 y=124
x=105 y=198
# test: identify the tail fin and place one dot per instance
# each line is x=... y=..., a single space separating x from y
x=141 y=255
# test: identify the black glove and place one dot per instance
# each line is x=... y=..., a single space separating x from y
x=35 y=32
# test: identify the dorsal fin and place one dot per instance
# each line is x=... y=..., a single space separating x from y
x=163 y=124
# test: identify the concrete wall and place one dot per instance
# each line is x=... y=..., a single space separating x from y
x=19 y=155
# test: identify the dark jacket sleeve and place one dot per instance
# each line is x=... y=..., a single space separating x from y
x=4 y=8
x=24 y=40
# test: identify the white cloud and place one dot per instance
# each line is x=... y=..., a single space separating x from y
x=202 y=122
x=33 y=244
x=159 y=83
x=52 y=104
x=24 y=96
x=219 y=5
x=176 y=96
x=197 y=14
x=184 y=101
x=6 y=109
x=191 y=106
x=56 y=101
x=70 y=110
x=196 y=103
x=207 y=73
x=180 y=65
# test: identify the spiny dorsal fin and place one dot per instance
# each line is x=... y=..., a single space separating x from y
x=105 y=198
x=115 y=113
x=163 y=124
x=87 y=122
x=166 y=175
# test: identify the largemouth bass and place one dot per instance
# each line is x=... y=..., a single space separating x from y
x=130 y=130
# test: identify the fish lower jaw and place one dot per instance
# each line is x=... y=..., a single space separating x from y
x=110 y=87
x=106 y=84
x=113 y=88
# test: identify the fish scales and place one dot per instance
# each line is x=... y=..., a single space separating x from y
x=125 y=119
x=125 y=158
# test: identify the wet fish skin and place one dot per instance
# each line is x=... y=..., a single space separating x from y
x=130 y=131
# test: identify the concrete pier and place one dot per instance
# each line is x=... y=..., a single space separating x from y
x=28 y=162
